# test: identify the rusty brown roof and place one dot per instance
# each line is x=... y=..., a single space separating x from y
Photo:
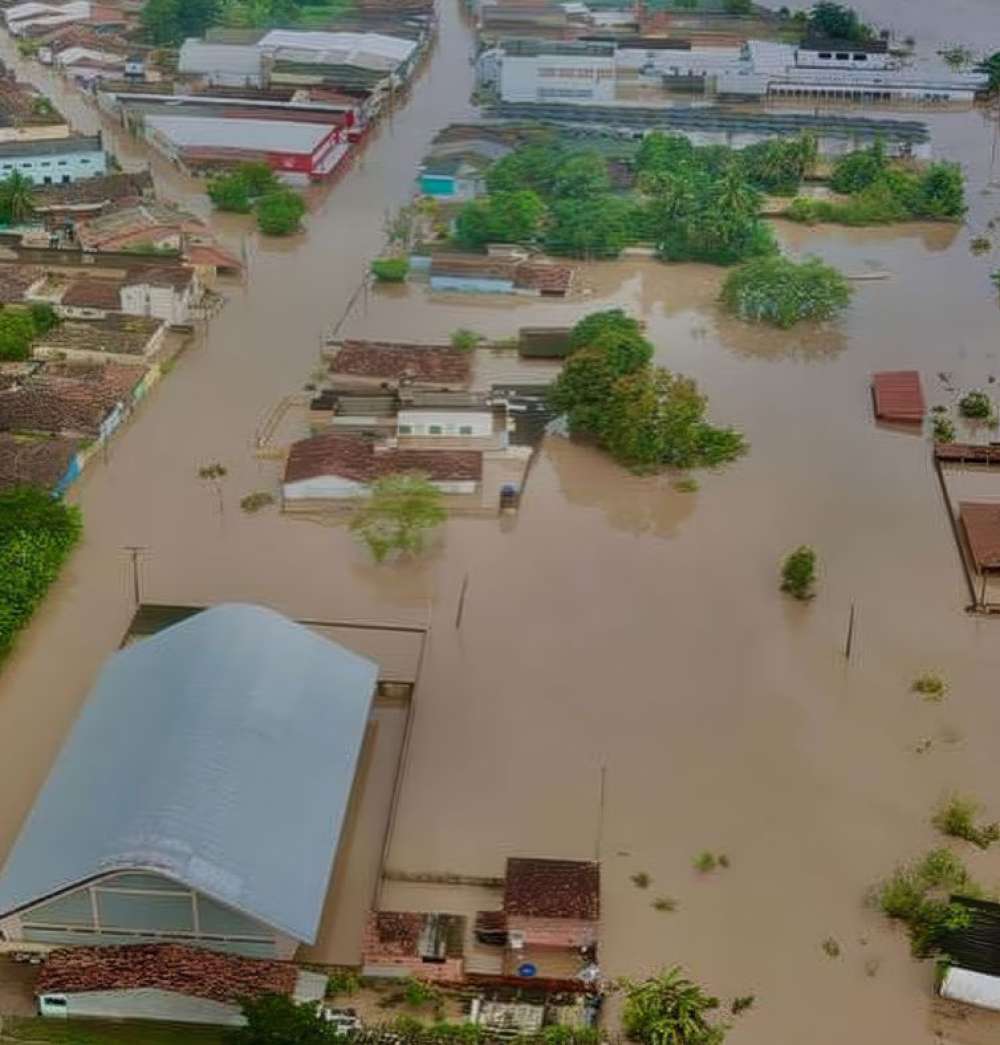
x=553 y=889
x=35 y=462
x=15 y=280
x=394 y=360
x=981 y=522
x=66 y=397
x=899 y=395
x=545 y=278
x=169 y=967
x=107 y=188
x=354 y=456
x=477 y=267
x=91 y=292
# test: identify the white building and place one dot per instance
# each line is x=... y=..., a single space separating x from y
x=22 y=17
x=550 y=71
x=170 y=294
x=224 y=65
x=827 y=53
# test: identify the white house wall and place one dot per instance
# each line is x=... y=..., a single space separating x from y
x=450 y=422
x=331 y=487
x=143 y=1004
x=555 y=77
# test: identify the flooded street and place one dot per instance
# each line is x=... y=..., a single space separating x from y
x=616 y=623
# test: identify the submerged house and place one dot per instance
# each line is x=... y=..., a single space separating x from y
x=201 y=796
x=973 y=971
x=397 y=364
x=340 y=464
x=165 y=981
x=499 y=275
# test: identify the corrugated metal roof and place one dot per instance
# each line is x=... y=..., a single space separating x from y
x=197 y=56
x=221 y=752
x=371 y=50
x=188 y=132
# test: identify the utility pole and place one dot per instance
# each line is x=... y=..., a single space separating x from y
x=135 y=550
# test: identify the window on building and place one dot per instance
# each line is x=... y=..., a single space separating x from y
x=66 y=179
x=85 y=160
x=842 y=56
x=825 y=55
x=62 y=163
x=8 y=166
x=47 y=179
x=406 y=429
x=46 y=163
x=861 y=58
x=435 y=429
x=465 y=429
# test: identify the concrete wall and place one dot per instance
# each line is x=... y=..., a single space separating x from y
x=57 y=169
x=141 y=1004
x=166 y=303
x=557 y=77
x=332 y=487
x=807 y=58
x=445 y=422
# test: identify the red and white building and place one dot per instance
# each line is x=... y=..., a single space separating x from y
x=298 y=152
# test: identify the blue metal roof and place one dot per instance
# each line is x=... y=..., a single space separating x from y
x=220 y=752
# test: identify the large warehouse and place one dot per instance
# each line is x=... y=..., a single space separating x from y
x=201 y=795
x=296 y=151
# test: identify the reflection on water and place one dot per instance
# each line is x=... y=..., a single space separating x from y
x=631 y=503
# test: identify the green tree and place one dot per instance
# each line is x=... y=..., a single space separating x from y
x=43 y=317
x=17 y=331
x=582 y=390
x=598 y=226
x=785 y=292
x=991 y=66
x=798 y=573
x=738 y=7
x=229 y=193
x=859 y=169
x=504 y=217
x=940 y=192
x=258 y=178
x=656 y=418
x=161 y=21
x=37 y=533
x=581 y=175
x=390 y=270
x=280 y=213
x=669 y=1009
x=530 y=167
x=838 y=21
x=17 y=200
x=660 y=152
x=274 y=1019
x=397 y=514
x=588 y=330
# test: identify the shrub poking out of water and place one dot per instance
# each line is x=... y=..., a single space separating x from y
x=723 y=860
x=957 y=818
x=390 y=270
x=930 y=685
x=918 y=895
x=398 y=514
x=465 y=340
x=705 y=862
x=687 y=484
x=669 y=1009
x=641 y=880
x=872 y=966
x=980 y=245
x=798 y=573
x=784 y=292
x=665 y=904
x=830 y=947
x=975 y=405
x=280 y=213
x=942 y=429
x=253 y=502
x=742 y=1004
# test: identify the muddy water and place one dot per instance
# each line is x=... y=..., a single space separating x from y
x=617 y=623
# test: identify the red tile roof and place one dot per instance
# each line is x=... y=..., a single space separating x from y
x=90 y=292
x=15 y=280
x=553 y=889
x=981 y=522
x=898 y=395
x=356 y=457
x=169 y=967
x=403 y=361
x=38 y=462
x=547 y=279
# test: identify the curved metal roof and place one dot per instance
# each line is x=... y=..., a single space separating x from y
x=220 y=752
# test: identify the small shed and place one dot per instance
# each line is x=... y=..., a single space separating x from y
x=552 y=903
x=412 y=943
x=981 y=526
x=898 y=396
x=543 y=342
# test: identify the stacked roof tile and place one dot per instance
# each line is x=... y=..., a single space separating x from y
x=169 y=967
x=552 y=889
x=403 y=361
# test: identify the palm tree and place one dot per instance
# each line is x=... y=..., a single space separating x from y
x=669 y=1009
x=17 y=200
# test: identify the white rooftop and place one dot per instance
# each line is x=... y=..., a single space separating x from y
x=366 y=50
x=194 y=132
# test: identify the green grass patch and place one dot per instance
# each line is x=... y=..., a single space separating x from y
x=96 y=1032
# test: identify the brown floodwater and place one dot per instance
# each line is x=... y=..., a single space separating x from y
x=616 y=624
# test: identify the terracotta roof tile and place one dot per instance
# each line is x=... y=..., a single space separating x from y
x=15 y=280
x=552 y=889
x=403 y=361
x=91 y=292
x=981 y=522
x=169 y=967
x=356 y=457
x=548 y=279
x=38 y=462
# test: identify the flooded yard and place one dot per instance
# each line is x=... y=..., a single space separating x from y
x=616 y=624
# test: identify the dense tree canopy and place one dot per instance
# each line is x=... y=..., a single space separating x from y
x=503 y=217
x=274 y=1019
x=398 y=514
x=839 y=21
x=171 y=21
x=646 y=417
x=280 y=213
x=17 y=200
x=784 y=292
x=669 y=1009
